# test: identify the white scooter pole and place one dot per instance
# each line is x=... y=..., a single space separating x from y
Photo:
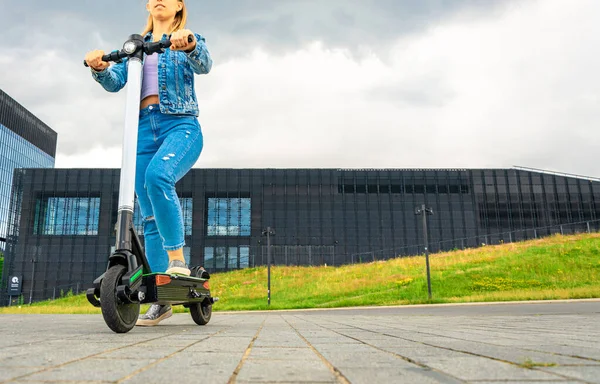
x=132 y=112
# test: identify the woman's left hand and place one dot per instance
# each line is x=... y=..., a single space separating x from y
x=179 y=40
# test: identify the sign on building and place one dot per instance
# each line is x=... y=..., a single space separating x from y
x=14 y=285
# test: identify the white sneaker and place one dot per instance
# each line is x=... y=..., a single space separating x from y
x=177 y=267
x=155 y=314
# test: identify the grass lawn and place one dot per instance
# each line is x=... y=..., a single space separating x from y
x=557 y=267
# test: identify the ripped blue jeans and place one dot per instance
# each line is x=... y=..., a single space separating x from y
x=168 y=146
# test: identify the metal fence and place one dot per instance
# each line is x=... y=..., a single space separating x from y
x=59 y=291
x=296 y=255
x=477 y=241
x=313 y=255
x=310 y=255
x=317 y=255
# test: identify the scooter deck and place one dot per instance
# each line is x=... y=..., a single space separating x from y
x=174 y=289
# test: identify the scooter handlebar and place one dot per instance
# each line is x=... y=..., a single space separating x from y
x=148 y=48
x=115 y=56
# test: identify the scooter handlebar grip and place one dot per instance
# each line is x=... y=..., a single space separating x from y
x=167 y=43
x=104 y=58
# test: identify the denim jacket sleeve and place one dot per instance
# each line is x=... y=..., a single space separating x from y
x=199 y=58
x=114 y=78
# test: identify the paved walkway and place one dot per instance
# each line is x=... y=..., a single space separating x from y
x=525 y=343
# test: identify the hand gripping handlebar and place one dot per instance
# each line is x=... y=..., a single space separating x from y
x=132 y=46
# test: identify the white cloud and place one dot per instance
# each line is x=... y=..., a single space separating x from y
x=519 y=88
x=62 y=93
x=95 y=157
x=525 y=86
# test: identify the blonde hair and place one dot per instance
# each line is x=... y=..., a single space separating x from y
x=178 y=23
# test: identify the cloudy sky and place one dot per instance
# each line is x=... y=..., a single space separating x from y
x=335 y=83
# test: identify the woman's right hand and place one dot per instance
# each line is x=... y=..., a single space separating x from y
x=94 y=60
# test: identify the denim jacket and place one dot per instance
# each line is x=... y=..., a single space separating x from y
x=176 y=70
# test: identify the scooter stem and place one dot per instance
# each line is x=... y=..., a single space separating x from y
x=132 y=113
x=130 y=133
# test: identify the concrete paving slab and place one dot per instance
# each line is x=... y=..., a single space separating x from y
x=92 y=369
x=299 y=371
x=263 y=353
x=470 y=368
x=437 y=344
x=588 y=373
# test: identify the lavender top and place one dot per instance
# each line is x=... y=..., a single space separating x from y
x=150 y=78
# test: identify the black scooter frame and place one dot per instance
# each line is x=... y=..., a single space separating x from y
x=128 y=272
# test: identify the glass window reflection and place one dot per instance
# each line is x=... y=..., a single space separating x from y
x=59 y=216
x=16 y=152
x=228 y=217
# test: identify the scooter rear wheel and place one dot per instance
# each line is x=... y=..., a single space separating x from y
x=119 y=316
x=201 y=313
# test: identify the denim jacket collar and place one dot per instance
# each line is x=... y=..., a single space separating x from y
x=149 y=35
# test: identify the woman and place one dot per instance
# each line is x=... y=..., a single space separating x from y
x=169 y=135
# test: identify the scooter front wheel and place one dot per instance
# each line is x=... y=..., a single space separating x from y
x=119 y=316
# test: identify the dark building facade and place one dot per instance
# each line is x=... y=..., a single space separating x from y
x=25 y=142
x=61 y=226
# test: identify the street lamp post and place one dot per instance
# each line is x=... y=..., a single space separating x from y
x=32 y=280
x=425 y=212
x=268 y=232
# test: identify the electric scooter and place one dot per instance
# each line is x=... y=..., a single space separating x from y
x=128 y=280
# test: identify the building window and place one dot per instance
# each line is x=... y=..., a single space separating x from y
x=60 y=216
x=186 y=255
x=16 y=152
x=186 y=210
x=244 y=257
x=402 y=188
x=228 y=217
x=227 y=257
